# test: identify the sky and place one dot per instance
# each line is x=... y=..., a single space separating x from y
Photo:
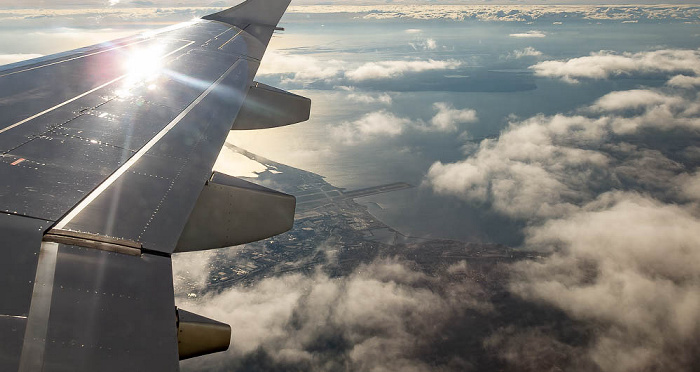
x=572 y=132
x=20 y=4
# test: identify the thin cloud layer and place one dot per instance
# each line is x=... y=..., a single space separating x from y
x=458 y=11
x=604 y=65
x=526 y=52
x=300 y=68
x=365 y=97
x=612 y=193
x=12 y=58
x=529 y=34
x=427 y=44
x=162 y=10
x=394 y=69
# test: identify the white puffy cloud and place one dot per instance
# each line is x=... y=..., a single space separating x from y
x=604 y=64
x=383 y=98
x=612 y=194
x=549 y=166
x=525 y=172
x=447 y=117
x=628 y=263
x=374 y=124
x=683 y=81
x=393 y=69
x=385 y=124
x=689 y=185
x=634 y=99
x=651 y=109
x=379 y=318
x=308 y=69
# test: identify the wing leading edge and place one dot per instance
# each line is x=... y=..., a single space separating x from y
x=109 y=172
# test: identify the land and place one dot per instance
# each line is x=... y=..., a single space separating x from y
x=334 y=232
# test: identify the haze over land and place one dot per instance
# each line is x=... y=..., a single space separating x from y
x=570 y=131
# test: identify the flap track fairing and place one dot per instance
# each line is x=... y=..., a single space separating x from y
x=197 y=335
x=230 y=211
x=269 y=107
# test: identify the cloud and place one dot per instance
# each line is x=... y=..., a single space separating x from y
x=530 y=171
x=611 y=193
x=527 y=52
x=301 y=68
x=307 y=69
x=386 y=124
x=374 y=124
x=683 y=81
x=572 y=10
x=364 y=97
x=384 y=316
x=567 y=10
x=630 y=111
x=634 y=99
x=604 y=65
x=689 y=186
x=191 y=270
x=448 y=117
x=549 y=166
x=383 y=98
x=529 y=34
x=394 y=69
x=428 y=44
x=6 y=59
x=628 y=263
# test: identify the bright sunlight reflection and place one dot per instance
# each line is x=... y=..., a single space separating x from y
x=143 y=66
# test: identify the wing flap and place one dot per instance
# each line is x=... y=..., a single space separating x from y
x=109 y=312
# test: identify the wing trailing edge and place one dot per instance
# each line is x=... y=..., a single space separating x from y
x=269 y=107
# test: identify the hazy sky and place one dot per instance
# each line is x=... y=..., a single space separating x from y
x=131 y=3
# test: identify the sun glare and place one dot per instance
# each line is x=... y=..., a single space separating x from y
x=143 y=66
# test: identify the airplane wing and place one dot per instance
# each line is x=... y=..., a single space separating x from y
x=106 y=170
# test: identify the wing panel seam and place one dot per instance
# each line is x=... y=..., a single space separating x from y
x=129 y=163
x=81 y=95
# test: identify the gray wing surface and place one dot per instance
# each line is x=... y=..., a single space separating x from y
x=106 y=170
